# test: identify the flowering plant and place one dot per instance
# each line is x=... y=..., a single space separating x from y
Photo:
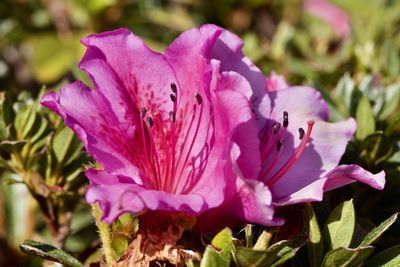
x=192 y=155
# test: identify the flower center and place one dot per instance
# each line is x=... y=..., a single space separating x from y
x=166 y=145
x=272 y=147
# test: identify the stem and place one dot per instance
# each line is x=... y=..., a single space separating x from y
x=105 y=235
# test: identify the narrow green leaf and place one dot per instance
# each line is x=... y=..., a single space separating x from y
x=392 y=99
x=372 y=236
x=387 y=258
x=365 y=118
x=24 y=121
x=339 y=227
x=219 y=253
x=276 y=254
x=315 y=245
x=6 y=110
x=49 y=252
x=62 y=142
x=342 y=257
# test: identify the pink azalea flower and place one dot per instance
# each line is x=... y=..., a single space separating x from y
x=299 y=149
x=337 y=18
x=163 y=125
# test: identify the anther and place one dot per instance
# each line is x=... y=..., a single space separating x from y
x=279 y=145
x=173 y=97
x=199 y=99
x=285 y=119
x=143 y=113
x=172 y=116
x=150 y=121
x=276 y=127
x=173 y=87
x=301 y=133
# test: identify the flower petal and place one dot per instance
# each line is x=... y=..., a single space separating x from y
x=118 y=194
x=346 y=174
x=127 y=72
x=325 y=148
x=338 y=177
x=87 y=113
x=228 y=50
x=189 y=56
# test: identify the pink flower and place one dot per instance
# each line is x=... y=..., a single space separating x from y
x=163 y=126
x=299 y=149
x=338 y=19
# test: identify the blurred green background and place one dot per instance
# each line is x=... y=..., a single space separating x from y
x=358 y=75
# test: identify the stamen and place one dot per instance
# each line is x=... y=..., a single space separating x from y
x=150 y=122
x=143 y=113
x=276 y=127
x=279 y=145
x=173 y=87
x=173 y=97
x=199 y=99
x=296 y=155
x=285 y=119
x=301 y=133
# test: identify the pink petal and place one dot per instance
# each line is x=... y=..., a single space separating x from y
x=325 y=148
x=346 y=174
x=119 y=194
x=128 y=73
x=87 y=113
x=228 y=50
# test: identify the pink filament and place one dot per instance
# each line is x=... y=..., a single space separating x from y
x=296 y=155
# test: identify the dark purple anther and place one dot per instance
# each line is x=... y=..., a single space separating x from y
x=276 y=127
x=173 y=87
x=285 y=119
x=279 y=145
x=143 y=113
x=150 y=122
x=199 y=99
x=173 y=97
x=301 y=133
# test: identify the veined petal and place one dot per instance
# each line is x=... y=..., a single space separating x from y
x=228 y=50
x=95 y=124
x=118 y=194
x=325 y=147
x=346 y=174
x=189 y=56
x=128 y=73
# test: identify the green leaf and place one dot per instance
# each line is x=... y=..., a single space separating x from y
x=6 y=109
x=365 y=118
x=342 y=257
x=315 y=244
x=276 y=254
x=49 y=252
x=392 y=99
x=65 y=145
x=387 y=258
x=24 y=121
x=372 y=236
x=339 y=227
x=377 y=147
x=219 y=253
